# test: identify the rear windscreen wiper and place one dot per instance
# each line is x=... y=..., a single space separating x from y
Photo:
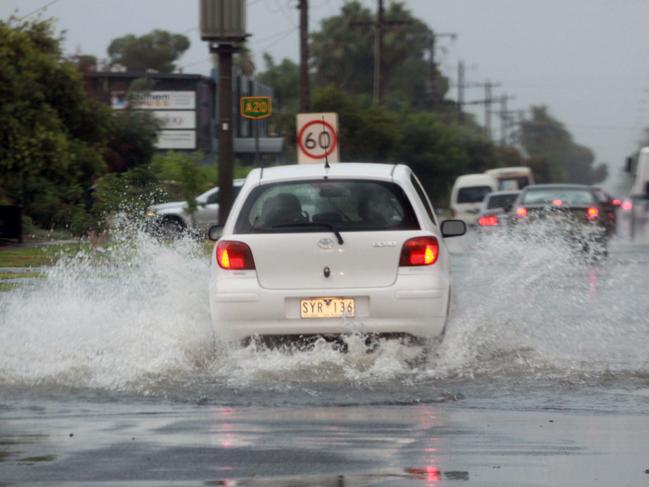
x=314 y=225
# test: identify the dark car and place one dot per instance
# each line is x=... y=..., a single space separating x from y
x=572 y=211
x=609 y=206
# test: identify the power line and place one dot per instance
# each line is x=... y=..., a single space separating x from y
x=39 y=9
x=283 y=34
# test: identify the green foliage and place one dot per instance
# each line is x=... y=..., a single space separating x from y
x=131 y=141
x=50 y=133
x=436 y=151
x=555 y=154
x=284 y=78
x=343 y=55
x=182 y=175
x=157 y=50
x=129 y=192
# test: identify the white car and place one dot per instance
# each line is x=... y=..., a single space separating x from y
x=310 y=250
x=173 y=217
x=467 y=194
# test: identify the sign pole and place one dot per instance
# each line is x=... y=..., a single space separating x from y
x=256 y=109
x=257 y=158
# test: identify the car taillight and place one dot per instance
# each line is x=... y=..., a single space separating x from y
x=627 y=205
x=233 y=256
x=521 y=212
x=488 y=221
x=419 y=251
x=616 y=202
x=592 y=213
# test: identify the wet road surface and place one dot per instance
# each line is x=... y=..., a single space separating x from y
x=108 y=376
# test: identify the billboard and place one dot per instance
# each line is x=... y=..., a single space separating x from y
x=154 y=100
x=176 y=119
x=176 y=139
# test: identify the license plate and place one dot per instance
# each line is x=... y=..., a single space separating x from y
x=327 y=307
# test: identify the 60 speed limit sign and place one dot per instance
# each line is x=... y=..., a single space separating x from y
x=317 y=138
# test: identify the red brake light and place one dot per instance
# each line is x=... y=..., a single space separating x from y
x=232 y=255
x=419 y=251
x=521 y=212
x=557 y=202
x=627 y=205
x=488 y=221
x=616 y=202
x=592 y=213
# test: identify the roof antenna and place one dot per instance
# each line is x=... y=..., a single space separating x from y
x=327 y=166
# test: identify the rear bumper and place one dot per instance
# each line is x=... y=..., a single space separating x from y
x=416 y=304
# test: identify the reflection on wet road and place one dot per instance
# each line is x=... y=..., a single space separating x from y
x=355 y=446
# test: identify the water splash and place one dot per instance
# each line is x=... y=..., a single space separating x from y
x=135 y=319
x=537 y=304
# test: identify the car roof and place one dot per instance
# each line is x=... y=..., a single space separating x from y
x=558 y=186
x=503 y=193
x=475 y=179
x=361 y=170
x=511 y=169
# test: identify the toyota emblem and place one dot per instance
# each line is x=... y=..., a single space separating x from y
x=326 y=243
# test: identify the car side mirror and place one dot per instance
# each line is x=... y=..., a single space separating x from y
x=215 y=232
x=453 y=228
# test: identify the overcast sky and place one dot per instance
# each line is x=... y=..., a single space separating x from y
x=588 y=60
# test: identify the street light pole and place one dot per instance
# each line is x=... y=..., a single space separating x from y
x=223 y=25
x=226 y=153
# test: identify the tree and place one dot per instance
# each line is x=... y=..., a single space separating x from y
x=284 y=78
x=157 y=50
x=366 y=134
x=343 y=55
x=50 y=133
x=546 y=139
x=131 y=140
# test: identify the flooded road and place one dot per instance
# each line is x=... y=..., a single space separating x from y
x=109 y=372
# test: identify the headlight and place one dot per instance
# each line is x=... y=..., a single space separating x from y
x=150 y=213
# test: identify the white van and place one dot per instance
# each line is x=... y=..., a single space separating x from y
x=641 y=182
x=467 y=194
x=512 y=178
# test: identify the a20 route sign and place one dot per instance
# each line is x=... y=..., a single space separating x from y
x=256 y=107
x=317 y=138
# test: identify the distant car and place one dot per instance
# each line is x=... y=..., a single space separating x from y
x=569 y=210
x=172 y=218
x=512 y=178
x=609 y=207
x=495 y=209
x=467 y=194
x=311 y=251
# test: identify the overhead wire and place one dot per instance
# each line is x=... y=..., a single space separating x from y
x=282 y=35
x=49 y=4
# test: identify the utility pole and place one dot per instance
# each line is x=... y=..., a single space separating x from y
x=487 y=101
x=305 y=95
x=505 y=118
x=487 y=108
x=378 y=55
x=380 y=25
x=460 y=91
x=432 y=65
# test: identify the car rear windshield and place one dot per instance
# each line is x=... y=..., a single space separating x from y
x=501 y=201
x=347 y=205
x=513 y=183
x=566 y=196
x=472 y=194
